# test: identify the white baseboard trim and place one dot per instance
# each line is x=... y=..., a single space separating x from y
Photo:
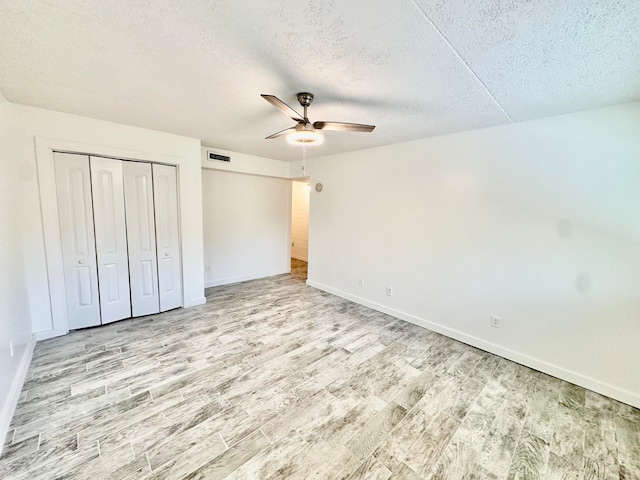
x=11 y=401
x=196 y=301
x=589 y=383
x=244 y=278
x=47 y=334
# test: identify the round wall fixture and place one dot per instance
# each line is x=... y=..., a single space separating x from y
x=318 y=187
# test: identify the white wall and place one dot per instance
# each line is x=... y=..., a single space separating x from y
x=15 y=319
x=246 y=226
x=31 y=133
x=536 y=222
x=299 y=220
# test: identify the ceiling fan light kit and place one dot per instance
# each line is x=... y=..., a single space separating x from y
x=305 y=132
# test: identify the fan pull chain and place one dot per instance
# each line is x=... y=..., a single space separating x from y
x=304 y=158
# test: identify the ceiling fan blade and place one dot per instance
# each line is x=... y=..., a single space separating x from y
x=343 y=127
x=283 y=107
x=281 y=132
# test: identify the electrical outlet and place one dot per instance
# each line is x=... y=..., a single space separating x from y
x=361 y=282
x=389 y=291
x=495 y=321
x=207 y=268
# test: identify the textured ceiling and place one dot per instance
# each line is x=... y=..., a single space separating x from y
x=414 y=69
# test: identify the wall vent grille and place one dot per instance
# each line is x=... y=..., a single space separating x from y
x=216 y=156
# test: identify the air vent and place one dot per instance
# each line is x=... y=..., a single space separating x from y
x=216 y=156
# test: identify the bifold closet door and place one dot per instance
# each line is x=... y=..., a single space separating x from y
x=141 y=238
x=111 y=238
x=165 y=195
x=75 y=214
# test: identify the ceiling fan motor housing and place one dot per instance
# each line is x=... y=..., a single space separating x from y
x=301 y=127
x=305 y=98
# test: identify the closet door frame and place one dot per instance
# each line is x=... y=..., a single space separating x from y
x=53 y=311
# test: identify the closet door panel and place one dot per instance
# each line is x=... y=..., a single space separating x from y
x=75 y=213
x=141 y=238
x=111 y=238
x=167 y=234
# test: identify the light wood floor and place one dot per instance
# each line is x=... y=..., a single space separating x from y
x=274 y=379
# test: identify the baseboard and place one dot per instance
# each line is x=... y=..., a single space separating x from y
x=196 y=301
x=47 y=334
x=244 y=278
x=11 y=402
x=589 y=383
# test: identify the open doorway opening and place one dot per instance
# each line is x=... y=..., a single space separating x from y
x=299 y=228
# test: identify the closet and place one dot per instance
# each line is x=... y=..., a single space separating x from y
x=119 y=237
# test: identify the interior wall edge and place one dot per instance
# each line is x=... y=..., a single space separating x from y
x=19 y=379
x=584 y=381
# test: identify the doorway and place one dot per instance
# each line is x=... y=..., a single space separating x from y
x=299 y=227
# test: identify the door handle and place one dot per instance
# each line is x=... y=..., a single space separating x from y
x=166 y=254
x=81 y=261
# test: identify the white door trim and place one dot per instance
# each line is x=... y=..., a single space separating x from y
x=50 y=226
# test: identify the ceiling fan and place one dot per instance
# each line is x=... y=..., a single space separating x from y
x=305 y=132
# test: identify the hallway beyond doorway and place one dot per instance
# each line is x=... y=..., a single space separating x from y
x=299 y=269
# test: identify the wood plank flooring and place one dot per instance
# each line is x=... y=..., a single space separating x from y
x=273 y=379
